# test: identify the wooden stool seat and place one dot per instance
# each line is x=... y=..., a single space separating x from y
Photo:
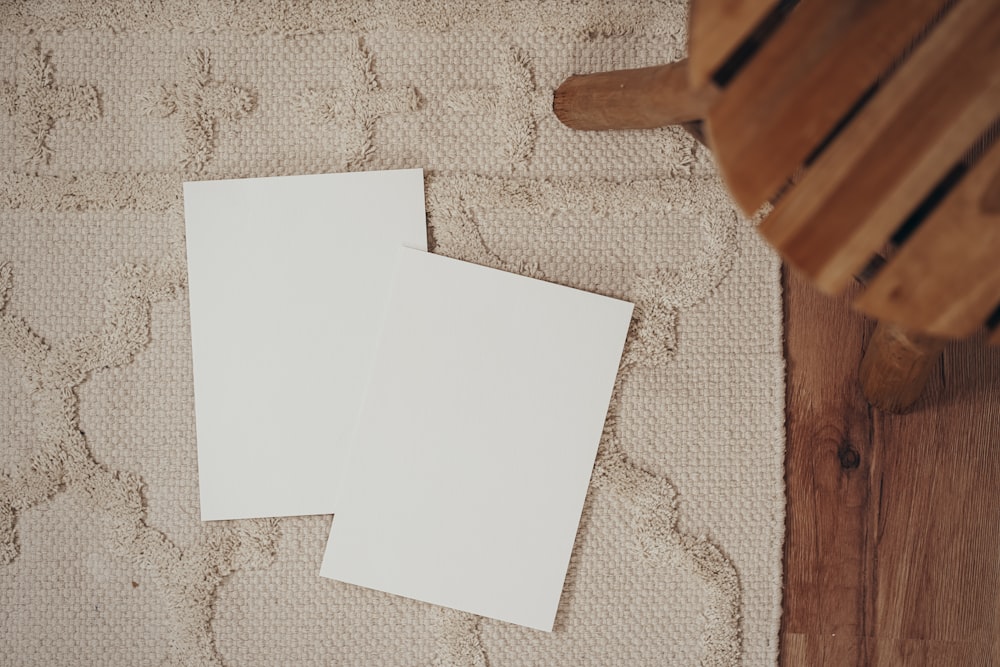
x=871 y=127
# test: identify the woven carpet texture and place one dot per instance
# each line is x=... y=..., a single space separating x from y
x=107 y=107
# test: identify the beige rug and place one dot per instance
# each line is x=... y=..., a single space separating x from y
x=106 y=107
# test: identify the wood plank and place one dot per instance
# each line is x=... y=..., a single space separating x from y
x=819 y=650
x=922 y=653
x=937 y=573
x=837 y=651
x=890 y=557
x=895 y=151
x=716 y=28
x=803 y=80
x=945 y=280
x=827 y=475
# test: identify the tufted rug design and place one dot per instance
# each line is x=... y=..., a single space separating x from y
x=106 y=107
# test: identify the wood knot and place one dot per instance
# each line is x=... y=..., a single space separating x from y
x=849 y=457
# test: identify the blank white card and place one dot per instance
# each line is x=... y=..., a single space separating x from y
x=477 y=439
x=288 y=281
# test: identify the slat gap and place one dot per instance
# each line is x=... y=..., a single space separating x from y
x=905 y=54
x=842 y=123
x=993 y=321
x=874 y=265
x=879 y=82
x=947 y=183
x=749 y=46
x=930 y=202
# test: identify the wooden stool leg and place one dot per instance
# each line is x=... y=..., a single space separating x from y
x=633 y=99
x=896 y=366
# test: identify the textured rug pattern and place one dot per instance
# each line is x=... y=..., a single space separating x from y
x=107 y=107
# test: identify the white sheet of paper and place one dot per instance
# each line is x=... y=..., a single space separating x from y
x=288 y=282
x=477 y=439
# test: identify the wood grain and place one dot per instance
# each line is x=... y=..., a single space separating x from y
x=899 y=147
x=717 y=27
x=945 y=280
x=892 y=552
x=804 y=79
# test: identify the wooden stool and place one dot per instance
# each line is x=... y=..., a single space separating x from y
x=871 y=125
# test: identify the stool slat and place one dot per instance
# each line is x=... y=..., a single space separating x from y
x=718 y=27
x=895 y=152
x=945 y=280
x=801 y=83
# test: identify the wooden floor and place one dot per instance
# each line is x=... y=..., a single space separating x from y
x=892 y=547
